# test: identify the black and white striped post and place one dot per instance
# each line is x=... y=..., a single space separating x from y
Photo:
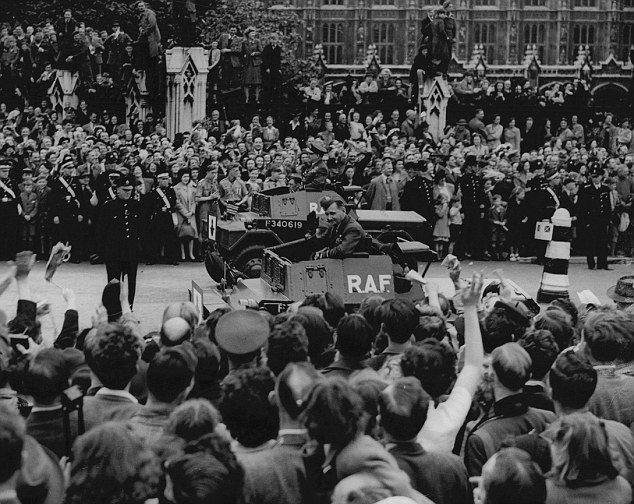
x=555 y=282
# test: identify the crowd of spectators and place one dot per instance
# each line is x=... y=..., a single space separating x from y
x=509 y=157
x=475 y=398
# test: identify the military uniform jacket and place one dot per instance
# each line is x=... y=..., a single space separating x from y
x=418 y=196
x=345 y=239
x=157 y=203
x=9 y=199
x=64 y=199
x=594 y=205
x=472 y=190
x=119 y=230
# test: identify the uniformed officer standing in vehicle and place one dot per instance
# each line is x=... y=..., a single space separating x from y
x=10 y=211
x=344 y=237
x=65 y=209
x=119 y=234
x=595 y=211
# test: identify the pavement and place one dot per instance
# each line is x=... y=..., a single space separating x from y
x=157 y=285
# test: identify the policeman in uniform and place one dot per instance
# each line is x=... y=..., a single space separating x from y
x=418 y=196
x=119 y=234
x=162 y=207
x=545 y=201
x=473 y=205
x=595 y=211
x=10 y=210
x=65 y=209
x=534 y=195
x=344 y=237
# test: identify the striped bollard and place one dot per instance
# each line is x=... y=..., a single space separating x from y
x=555 y=282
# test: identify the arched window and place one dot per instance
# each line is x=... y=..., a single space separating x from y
x=332 y=41
x=383 y=38
x=485 y=35
x=535 y=34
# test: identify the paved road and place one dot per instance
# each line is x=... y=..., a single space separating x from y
x=158 y=285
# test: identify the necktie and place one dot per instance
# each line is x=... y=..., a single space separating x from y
x=388 y=182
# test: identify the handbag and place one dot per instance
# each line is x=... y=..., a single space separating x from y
x=186 y=230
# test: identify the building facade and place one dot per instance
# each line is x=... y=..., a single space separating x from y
x=501 y=29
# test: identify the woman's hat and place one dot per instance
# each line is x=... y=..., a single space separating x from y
x=623 y=291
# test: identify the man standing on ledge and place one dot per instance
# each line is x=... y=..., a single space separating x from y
x=119 y=234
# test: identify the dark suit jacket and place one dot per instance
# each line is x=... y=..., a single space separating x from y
x=235 y=56
x=440 y=476
x=47 y=428
x=345 y=239
x=272 y=58
x=594 y=205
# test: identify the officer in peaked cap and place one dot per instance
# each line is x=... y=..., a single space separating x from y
x=241 y=335
x=594 y=214
x=65 y=207
x=161 y=203
x=119 y=234
x=10 y=211
x=418 y=195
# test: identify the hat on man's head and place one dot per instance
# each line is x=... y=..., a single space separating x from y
x=6 y=164
x=241 y=332
x=321 y=170
x=552 y=174
x=594 y=169
x=67 y=164
x=538 y=164
x=623 y=291
x=318 y=147
x=462 y=122
x=125 y=181
x=111 y=158
x=162 y=174
x=471 y=160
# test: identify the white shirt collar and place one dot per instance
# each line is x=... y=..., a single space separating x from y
x=35 y=409
x=119 y=393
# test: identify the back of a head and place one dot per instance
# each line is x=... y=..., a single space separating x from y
x=110 y=464
x=293 y=385
x=370 y=309
x=12 y=433
x=245 y=406
x=543 y=350
x=46 y=376
x=183 y=309
x=501 y=328
x=403 y=407
x=512 y=366
x=354 y=337
x=319 y=334
x=288 y=342
x=175 y=331
x=511 y=476
x=431 y=326
x=112 y=353
x=606 y=335
x=399 y=318
x=572 y=380
x=433 y=363
x=559 y=323
x=208 y=471
x=580 y=450
x=333 y=412
x=369 y=386
x=212 y=321
x=171 y=372
x=330 y=304
x=192 y=419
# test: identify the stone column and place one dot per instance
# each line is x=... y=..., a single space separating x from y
x=62 y=91
x=186 y=87
x=435 y=95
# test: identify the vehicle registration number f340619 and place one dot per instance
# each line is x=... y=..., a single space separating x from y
x=284 y=224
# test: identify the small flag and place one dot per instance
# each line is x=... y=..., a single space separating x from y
x=59 y=254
